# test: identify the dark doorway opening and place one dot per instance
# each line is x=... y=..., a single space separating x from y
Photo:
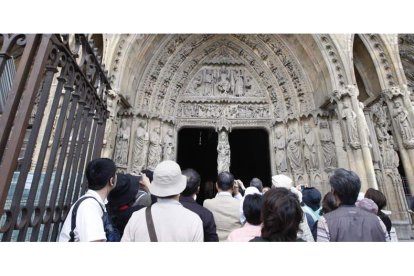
x=197 y=149
x=250 y=156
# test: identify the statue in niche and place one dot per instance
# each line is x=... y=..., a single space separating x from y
x=293 y=150
x=400 y=116
x=169 y=145
x=154 y=151
x=309 y=149
x=328 y=146
x=121 y=153
x=140 y=148
x=223 y=153
x=223 y=85
x=349 y=116
x=238 y=83
x=390 y=157
x=280 y=147
x=208 y=83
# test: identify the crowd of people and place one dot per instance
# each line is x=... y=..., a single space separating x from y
x=161 y=206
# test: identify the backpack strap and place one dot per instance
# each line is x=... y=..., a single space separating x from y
x=150 y=224
x=74 y=212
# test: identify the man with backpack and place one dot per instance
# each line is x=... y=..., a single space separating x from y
x=89 y=221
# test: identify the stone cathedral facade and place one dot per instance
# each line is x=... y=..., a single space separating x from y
x=325 y=101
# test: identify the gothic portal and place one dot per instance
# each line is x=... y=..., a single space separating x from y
x=323 y=102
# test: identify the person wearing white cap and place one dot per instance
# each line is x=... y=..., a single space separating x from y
x=170 y=220
x=283 y=181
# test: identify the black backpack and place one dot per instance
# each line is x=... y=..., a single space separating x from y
x=112 y=234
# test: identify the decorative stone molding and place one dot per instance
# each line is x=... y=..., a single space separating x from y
x=383 y=57
x=333 y=55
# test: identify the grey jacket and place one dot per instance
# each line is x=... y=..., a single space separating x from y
x=350 y=223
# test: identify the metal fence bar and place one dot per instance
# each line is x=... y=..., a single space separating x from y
x=58 y=171
x=7 y=118
x=19 y=127
x=85 y=144
x=55 y=212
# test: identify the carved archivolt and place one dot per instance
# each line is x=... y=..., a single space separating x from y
x=178 y=65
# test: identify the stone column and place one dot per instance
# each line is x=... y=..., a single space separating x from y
x=355 y=133
x=402 y=119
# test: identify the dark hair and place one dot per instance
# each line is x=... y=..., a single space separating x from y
x=98 y=172
x=328 y=203
x=346 y=185
x=281 y=215
x=311 y=197
x=193 y=182
x=252 y=207
x=149 y=174
x=225 y=181
x=209 y=190
x=256 y=182
x=376 y=196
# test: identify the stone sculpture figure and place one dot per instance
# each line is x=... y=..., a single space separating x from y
x=140 y=148
x=293 y=150
x=197 y=82
x=328 y=146
x=309 y=149
x=154 y=151
x=121 y=154
x=208 y=83
x=238 y=84
x=223 y=150
x=169 y=145
x=280 y=147
x=400 y=116
x=349 y=116
x=223 y=85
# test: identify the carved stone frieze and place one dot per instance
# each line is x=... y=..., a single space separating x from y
x=229 y=110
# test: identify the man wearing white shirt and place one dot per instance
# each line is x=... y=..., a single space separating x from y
x=101 y=176
x=170 y=220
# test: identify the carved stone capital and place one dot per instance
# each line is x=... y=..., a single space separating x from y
x=349 y=90
x=223 y=123
x=393 y=92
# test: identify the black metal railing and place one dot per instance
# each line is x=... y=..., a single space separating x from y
x=58 y=101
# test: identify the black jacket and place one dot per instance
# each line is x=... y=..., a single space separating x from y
x=209 y=225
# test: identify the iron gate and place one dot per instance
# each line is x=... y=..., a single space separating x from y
x=52 y=124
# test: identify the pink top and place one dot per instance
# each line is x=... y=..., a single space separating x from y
x=245 y=234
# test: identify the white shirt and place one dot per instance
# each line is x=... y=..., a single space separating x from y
x=89 y=224
x=172 y=222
